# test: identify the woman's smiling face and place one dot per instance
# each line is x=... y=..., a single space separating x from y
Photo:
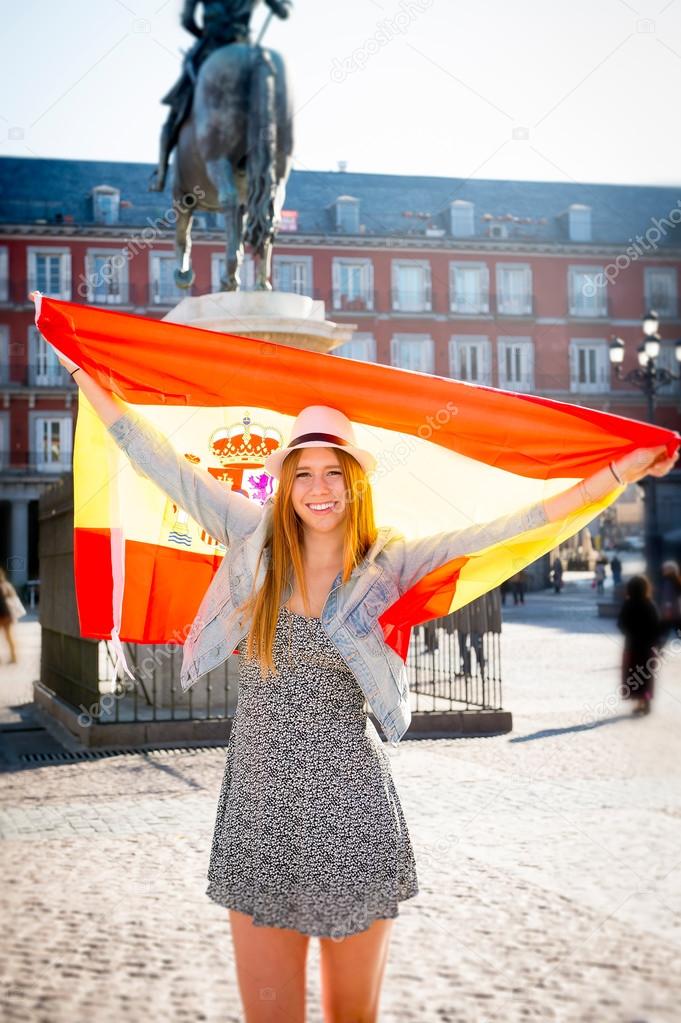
x=319 y=481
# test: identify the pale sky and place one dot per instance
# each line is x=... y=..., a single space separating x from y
x=540 y=90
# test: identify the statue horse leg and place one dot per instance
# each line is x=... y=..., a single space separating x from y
x=184 y=274
x=230 y=198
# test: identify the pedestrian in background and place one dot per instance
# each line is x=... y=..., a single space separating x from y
x=640 y=622
x=11 y=609
x=557 y=574
x=670 y=598
x=616 y=569
x=518 y=587
x=599 y=574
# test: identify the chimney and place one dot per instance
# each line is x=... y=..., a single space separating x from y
x=342 y=166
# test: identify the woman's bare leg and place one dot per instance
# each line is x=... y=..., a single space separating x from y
x=8 y=629
x=352 y=973
x=270 y=966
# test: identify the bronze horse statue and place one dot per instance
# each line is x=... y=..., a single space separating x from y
x=233 y=156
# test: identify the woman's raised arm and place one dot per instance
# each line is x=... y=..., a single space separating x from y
x=220 y=512
x=419 y=557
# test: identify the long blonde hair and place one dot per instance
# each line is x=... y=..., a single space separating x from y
x=284 y=544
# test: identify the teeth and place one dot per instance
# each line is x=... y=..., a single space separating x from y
x=319 y=507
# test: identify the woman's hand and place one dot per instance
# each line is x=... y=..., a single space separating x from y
x=645 y=461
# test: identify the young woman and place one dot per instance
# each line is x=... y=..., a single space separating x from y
x=310 y=838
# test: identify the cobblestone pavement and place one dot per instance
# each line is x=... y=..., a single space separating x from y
x=549 y=859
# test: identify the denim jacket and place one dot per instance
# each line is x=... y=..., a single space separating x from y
x=350 y=614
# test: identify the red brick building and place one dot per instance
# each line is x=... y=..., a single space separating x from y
x=519 y=285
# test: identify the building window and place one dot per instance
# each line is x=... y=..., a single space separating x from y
x=589 y=365
x=105 y=204
x=516 y=363
x=52 y=443
x=361 y=347
x=353 y=284
x=462 y=218
x=470 y=358
x=413 y=351
x=579 y=223
x=660 y=290
x=514 y=289
x=49 y=271
x=44 y=368
x=411 y=285
x=347 y=214
x=164 y=291
x=218 y=268
x=4 y=353
x=107 y=277
x=468 y=288
x=292 y=273
x=587 y=288
x=4 y=274
x=4 y=440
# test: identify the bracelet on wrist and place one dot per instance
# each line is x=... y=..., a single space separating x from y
x=71 y=372
x=616 y=474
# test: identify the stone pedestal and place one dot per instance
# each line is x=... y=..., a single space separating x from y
x=279 y=316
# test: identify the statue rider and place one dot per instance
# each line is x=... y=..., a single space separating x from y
x=224 y=21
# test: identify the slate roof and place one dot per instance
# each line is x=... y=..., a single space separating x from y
x=32 y=189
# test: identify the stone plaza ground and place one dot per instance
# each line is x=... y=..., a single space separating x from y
x=549 y=859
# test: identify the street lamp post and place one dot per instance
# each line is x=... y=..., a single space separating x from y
x=649 y=378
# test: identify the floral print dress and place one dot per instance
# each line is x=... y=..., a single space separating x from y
x=309 y=832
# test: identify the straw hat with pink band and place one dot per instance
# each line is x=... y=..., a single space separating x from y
x=319 y=426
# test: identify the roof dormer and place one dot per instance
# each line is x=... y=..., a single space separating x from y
x=105 y=204
x=462 y=217
x=346 y=208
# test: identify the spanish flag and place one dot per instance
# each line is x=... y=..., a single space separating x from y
x=450 y=455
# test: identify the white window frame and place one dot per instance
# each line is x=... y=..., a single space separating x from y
x=427 y=351
x=66 y=441
x=44 y=368
x=671 y=273
x=461 y=360
x=156 y=295
x=461 y=218
x=64 y=255
x=123 y=296
x=218 y=261
x=361 y=347
x=520 y=303
x=576 y=303
x=458 y=304
x=366 y=271
x=4 y=273
x=4 y=353
x=304 y=285
x=600 y=362
x=521 y=353
x=399 y=304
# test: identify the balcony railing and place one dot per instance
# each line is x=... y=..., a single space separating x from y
x=515 y=305
x=364 y=303
x=15 y=462
x=39 y=375
x=411 y=301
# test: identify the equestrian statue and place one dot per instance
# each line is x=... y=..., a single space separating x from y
x=231 y=126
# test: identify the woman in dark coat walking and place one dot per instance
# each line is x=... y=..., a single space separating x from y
x=640 y=622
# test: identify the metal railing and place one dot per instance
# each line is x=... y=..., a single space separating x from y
x=23 y=460
x=447 y=670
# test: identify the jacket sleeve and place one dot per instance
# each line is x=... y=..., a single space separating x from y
x=419 y=557
x=223 y=514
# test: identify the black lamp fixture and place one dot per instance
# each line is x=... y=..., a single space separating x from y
x=649 y=378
